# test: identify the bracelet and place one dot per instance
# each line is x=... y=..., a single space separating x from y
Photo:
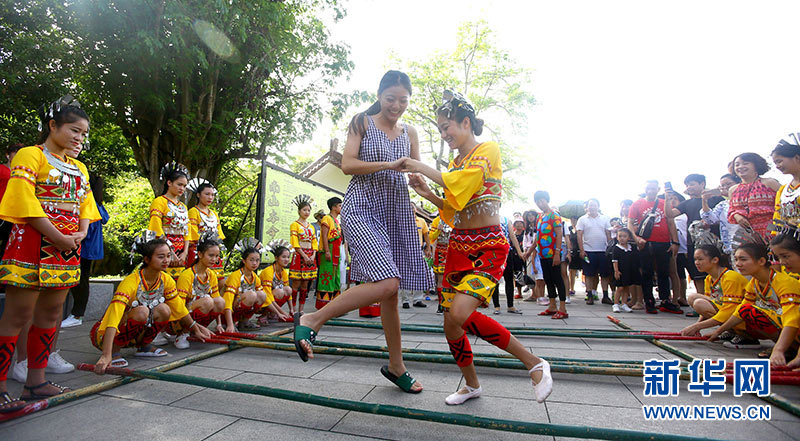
x=194 y=322
x=675 y=243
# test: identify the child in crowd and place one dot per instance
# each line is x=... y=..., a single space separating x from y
x=724 y=290
x=625 y=259
x=141 y=307
x=770 y=306
x=243 y=293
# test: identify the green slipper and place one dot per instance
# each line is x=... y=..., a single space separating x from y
x=404 y=382
x=302 y=333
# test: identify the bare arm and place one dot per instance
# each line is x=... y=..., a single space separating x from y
x=323 y=238
x=414 y=140
x=514 y=242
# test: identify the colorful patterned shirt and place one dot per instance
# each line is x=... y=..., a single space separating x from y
x=547 y=227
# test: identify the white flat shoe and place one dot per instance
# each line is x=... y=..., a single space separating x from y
x=458 y=398
x=545 y=386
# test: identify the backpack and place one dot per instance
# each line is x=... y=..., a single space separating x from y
x=648 y=223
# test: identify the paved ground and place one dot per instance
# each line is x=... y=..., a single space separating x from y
x=158 y=410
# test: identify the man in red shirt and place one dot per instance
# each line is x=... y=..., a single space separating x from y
x=655 y=250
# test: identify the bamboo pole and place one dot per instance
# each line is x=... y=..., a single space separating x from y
x=110 y=384
x=408 y=413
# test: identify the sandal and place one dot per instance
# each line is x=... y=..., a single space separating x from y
x=248 y=326
x=766 y=353
x=36 y=397
x=5 y=400
x=560 y=315
x=150 y=351
x=548 y=312
x=543 y=388
x=302 y=333
x=404 y=382
x=117 y=361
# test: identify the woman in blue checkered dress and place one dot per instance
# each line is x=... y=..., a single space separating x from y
x=378 y=225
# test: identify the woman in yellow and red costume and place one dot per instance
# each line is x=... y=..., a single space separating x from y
x=169 y=217
x=50 y=203
x=477 y=249
x=440 y=235
x=329 y=283
x=205 y=221
x=303 y=238
x=243 y=293
x=141 y=307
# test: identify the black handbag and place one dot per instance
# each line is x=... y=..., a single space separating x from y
x=649 y=221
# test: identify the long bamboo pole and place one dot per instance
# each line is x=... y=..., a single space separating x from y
x=92 y=389
x=409 y=413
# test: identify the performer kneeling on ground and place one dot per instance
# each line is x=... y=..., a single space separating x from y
x=770 y=306
x=141 y=308
x=724 y=291
x=243 y=293
x=477 y=248
x=198 y=286
x=275 y=280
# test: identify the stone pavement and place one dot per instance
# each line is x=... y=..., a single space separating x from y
x=158 y=410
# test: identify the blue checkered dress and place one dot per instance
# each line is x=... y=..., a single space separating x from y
x=377 y=219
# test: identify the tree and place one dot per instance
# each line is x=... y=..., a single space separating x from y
x=487 y=76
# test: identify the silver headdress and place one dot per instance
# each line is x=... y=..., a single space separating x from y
x=246 y=243
x=790 y=139
x=275 y=244
x=212 y=235
x=302 y=199
x=140 y=241
x=170 y=167
x=452 y=101
x=195 y=183
x=47 y=113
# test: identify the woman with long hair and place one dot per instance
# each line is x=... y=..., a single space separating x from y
x=478 y=246
x=204 y=221
x=378 y=225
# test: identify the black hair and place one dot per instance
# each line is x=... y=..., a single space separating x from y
x=541 y=194
x=756 y=251
x=460 y=112
x=754 y=158
x=302 y=205
x=677 y=196
x=592 y=199
x=279 y=250
x=332 y=202
x=786 y=150
x=96 y=183
x=13 y=148
x=246 y=253
x=390 y=79
x=626 y=231
x=202 y=187
x=695 y=177
x=530 y=226
x=147 y=249
x=732 y=177
x=626 y=202
x=712 y=252
x=66 y=114
x=205 y=244
x=787 y=241
x=173 y=176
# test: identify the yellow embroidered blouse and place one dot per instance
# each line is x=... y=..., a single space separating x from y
x=132 y=289
x=473 y=185
x=36 y=187
x=268 y=280
x=237 y=283
x=201 y=222
x=781 y=297
x=727 y=293
x=167 y=217
x=299 y=233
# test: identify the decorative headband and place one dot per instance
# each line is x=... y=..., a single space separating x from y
x=276 y=244
x=47 y=113
x=451 y=101
x=170 y=167
x=141 y=240
x=302 y=199
x=246 y=243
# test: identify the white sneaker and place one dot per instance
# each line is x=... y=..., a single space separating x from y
x=615 y=307
x=160 y=339
x=57 y=365
x=569 y=300
x=625 y=308
x=458 y=397
x=543 y=388
x=182 y=341
x=71 y=321
x=20 y=371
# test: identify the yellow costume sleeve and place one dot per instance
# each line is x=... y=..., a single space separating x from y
x=733 y=288
x=185 y=283
x=194 y=223
x=266 y=279
x=466 y=179
x=788 y=290
x=294 y=234
x=220 y=234
x=314 y=243
x=88 y=206
x=212 y=277
x=173 y=299
x=124 y=295
x=232 y=288
x=158 y=208
x=434 y=230
x=707 y=286
x=776 y=214
x=22 y=185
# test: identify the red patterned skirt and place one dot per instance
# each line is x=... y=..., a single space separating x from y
x=178 y=244
x=475 y=262
x=299 y=269
x=31 y=261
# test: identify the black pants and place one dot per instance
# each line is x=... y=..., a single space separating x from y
x=553 y=280
x=655 y=259
x=508 y=277
x=80 y=293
